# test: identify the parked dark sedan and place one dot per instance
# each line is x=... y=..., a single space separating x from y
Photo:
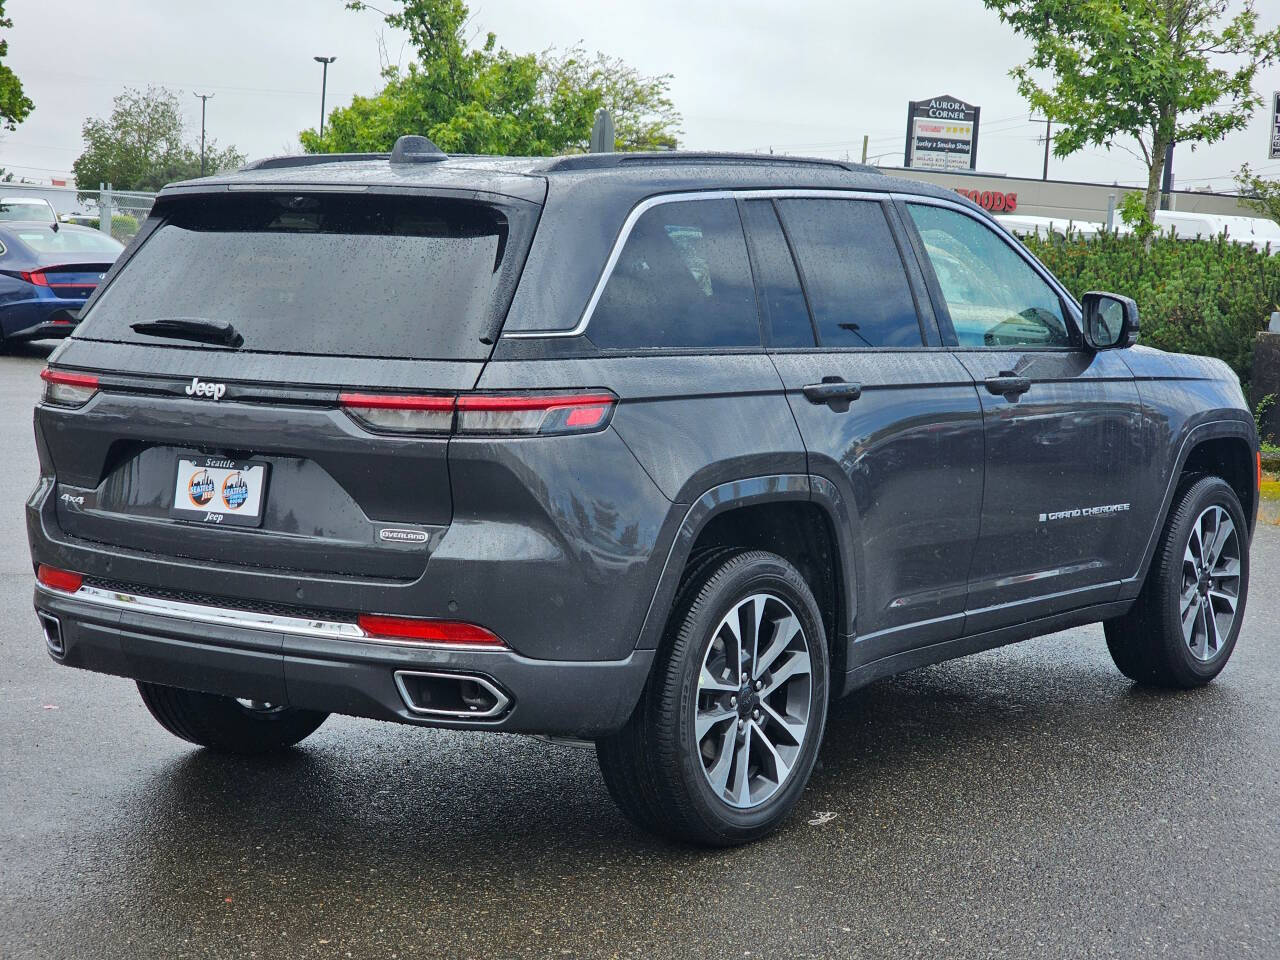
x=47 y=272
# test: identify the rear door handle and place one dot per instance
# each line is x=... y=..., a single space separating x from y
x=832 y=391
x=1007 y=384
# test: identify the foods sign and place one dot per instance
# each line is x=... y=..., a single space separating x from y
x=942 y=134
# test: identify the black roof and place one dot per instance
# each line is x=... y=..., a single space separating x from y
x=528 y=177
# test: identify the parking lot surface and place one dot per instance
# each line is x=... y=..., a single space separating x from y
x=1027 y=802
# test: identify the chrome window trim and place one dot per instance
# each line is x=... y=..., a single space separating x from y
x=242 y=619
x=995 y=227
x=648 y=204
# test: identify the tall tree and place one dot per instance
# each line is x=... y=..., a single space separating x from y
x=142 y=145
x=14 y=104
x=1159 y=71
x=484 y=99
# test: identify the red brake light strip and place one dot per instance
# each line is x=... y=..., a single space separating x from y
x=69 y=379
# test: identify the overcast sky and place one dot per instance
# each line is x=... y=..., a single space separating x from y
x=801 y=76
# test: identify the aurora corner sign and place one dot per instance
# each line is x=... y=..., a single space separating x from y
x=1274 y=152
x=942 y=134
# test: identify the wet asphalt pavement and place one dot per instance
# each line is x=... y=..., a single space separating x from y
x=1027 y=802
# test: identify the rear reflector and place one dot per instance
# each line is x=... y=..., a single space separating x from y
x=68 y=389
x=427 y=631
x=522 y=414
x=56 y=579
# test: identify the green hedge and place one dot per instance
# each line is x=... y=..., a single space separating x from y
x=123 y=226
x=1194 y=296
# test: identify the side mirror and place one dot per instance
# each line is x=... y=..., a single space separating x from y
x=1110 y=321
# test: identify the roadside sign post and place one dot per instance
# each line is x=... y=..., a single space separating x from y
x=942 y=134
x=1274 y=152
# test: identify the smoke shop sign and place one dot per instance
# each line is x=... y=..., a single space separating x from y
x=942 y=134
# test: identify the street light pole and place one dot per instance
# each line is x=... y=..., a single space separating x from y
x=324 y=83
x=204 y=100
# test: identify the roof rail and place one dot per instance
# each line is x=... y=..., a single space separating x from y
x=311 y=160
x=604 y=161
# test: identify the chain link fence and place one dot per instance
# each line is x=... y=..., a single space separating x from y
x=118 y=212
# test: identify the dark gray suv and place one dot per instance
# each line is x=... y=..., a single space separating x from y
x=662 y=452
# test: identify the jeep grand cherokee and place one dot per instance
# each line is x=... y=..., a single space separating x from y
x=658 y=451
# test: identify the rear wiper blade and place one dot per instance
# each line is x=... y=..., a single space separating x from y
x=200 y=329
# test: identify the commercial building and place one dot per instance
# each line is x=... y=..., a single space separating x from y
x=1061 y=199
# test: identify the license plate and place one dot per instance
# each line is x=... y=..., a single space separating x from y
x=214 y=490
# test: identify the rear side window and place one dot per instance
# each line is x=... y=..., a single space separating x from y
x=857 y=286
x=336 y=274
x=682 y=280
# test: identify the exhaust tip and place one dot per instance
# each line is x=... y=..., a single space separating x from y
x=453 y=696
x=52 y=628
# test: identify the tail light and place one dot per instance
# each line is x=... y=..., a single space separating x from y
x=36 y=277
x=68 y=389
x=404 y=413
x=534 y=414
x=55 y=579
x=427 y=631
x=529 y=414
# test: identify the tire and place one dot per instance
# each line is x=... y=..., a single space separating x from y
x=224 y=723
x=1150 y=643
x=659 y=773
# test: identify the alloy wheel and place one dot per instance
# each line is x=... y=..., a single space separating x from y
x=754 y=700
x=1210 y=592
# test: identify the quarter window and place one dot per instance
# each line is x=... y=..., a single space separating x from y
x=683 y=280
x=994 y=296
x=853 y=273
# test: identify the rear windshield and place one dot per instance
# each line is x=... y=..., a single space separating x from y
x=26 y=210
x=339 y=274
x=70 y=240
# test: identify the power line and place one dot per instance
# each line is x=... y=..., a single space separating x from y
x=83 y=78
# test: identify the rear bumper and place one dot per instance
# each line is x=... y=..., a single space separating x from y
x=327 y=668
x=44 y=318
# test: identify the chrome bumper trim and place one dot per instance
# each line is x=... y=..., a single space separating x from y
x=243 y=619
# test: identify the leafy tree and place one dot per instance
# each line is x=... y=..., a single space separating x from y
x=485 y=99
x=143 y=146
x=1159 y=71
x=1259 y=193
x=14 y=104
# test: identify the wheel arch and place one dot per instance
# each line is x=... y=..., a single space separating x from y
x=1223 y=448
x=797 y=516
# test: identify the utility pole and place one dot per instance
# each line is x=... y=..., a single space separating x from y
x=204 y=100
x=866 y=138
x=1048 y=139
x=1166 y=188
x=324 y=83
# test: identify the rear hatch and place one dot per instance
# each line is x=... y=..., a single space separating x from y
x=222 y=348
